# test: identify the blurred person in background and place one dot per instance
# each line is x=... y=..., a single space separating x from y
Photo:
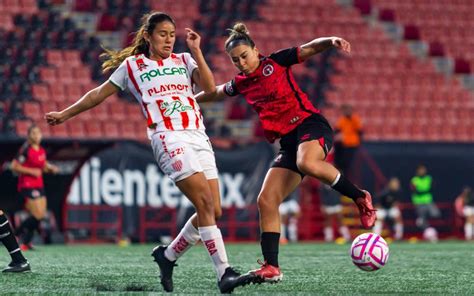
x=7 y=237
x=331 y=208
x=466 y=198
x=286 y=113
x=421 y=186
x=388 y=210
x=349 y=128
x=162 y=82
x=290 y=212
x=30 y=164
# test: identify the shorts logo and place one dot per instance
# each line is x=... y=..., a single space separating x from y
x=177 y=165
x=267 y=70
x=35 y=193
x=278 y=158
x=305 y=137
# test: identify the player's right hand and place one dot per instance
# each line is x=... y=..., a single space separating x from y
x=54 y=118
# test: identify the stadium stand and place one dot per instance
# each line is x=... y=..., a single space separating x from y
x=396 y=92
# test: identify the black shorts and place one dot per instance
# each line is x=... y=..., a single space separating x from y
x=31 y=193
x=315 y=127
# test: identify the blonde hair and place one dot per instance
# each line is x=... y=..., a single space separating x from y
x=114 y=58
x=238 y=35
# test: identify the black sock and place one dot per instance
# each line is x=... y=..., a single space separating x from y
x=31 y=225
x=345 y=187
x=270 y=242
x=8 y=239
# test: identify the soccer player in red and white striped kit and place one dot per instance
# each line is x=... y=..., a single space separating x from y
x=162 y=82
x=268 y=85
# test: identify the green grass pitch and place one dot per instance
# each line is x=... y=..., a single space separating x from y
x=323 y=269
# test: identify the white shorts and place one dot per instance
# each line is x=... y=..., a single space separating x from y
x=181 y=154
x=393 y=213
x=289 y=207
x=468 y=211
x=331 y=210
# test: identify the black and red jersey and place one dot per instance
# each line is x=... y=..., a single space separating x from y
x=273 y=93
x=31 y=158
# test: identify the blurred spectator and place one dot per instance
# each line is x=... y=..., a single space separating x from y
x=290 y=212
x=349 y=126
x=387 y=209
x=466 y=198
x=422 y=198
x=332 y=210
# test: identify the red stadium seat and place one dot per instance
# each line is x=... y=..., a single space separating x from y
x=93 y=129
x=32 y=110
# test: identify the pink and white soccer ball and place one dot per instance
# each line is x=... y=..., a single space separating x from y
x=369 y=252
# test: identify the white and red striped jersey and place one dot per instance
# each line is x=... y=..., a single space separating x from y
x=164 y=90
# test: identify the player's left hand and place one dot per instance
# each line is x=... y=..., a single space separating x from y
x=54 y=169
x=193 y=40
x=341 y=44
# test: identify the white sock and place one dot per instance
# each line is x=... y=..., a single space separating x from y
x=328 y=234
x=468 y=229
x=378 y=227
x=398 y=231
x=293 y=229
x=212 y=238
x=187 y=237
x=282 y=231
x=345 y=233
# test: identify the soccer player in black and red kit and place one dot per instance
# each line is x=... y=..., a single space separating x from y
x=30 y=164
x=268 y=85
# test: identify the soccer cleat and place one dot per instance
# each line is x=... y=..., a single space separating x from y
x=268 y=273
x=231 y=279
x=17 y=267
x=166 y=268
x=366 y=210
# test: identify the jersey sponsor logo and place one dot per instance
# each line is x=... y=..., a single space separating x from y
x=267 y=70
x=163 y=72
x=211 y=246
x=174 y=106
x=167 y=87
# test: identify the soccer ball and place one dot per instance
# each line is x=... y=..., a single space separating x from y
x=369 y=252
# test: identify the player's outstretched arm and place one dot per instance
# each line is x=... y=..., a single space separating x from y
x=321 y=44
x=202 y=75
x=91 y=99
x=217 y=95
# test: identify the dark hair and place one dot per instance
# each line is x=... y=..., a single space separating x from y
x=238 y=35
x=139 y=44
x=31 y=128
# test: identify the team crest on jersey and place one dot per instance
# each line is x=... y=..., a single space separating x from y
x=267 y=70
x=141 y=64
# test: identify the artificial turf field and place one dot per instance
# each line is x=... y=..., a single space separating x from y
x=322 y=269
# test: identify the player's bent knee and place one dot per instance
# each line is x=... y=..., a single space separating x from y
x=1 y=213
x=205 y=203
x=267 y=202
